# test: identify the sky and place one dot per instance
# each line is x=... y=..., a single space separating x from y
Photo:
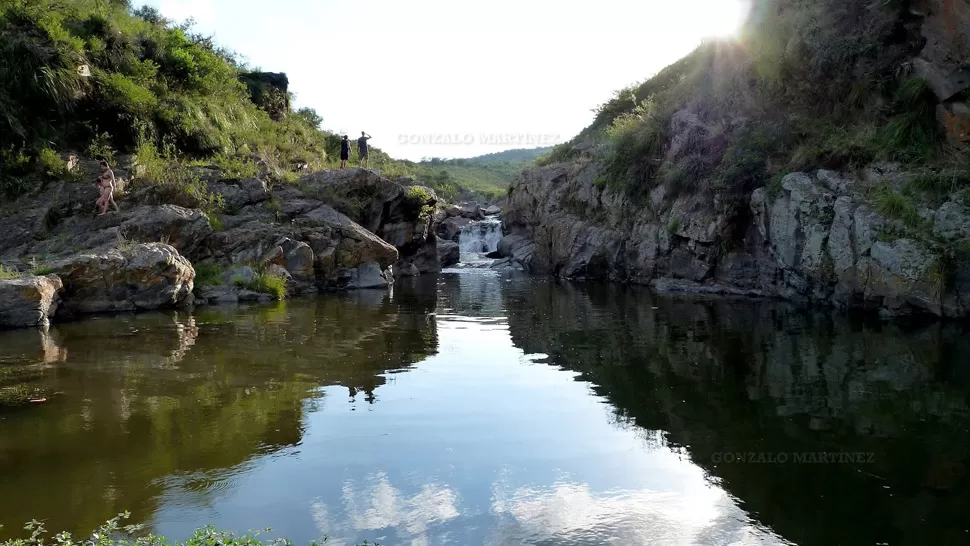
x=446 y=78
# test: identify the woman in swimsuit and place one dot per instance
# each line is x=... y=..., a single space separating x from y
x=106 y=187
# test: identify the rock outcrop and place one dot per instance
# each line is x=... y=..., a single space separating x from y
x=817 y=239
x=29 y=301
x=335 y=230
x=139 y=277
x=400 y=214
x=448 y=253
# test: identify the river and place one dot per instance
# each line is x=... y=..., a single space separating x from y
x=485 y=407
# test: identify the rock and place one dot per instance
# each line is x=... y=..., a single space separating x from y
x=250 y=191
x=29 y=301
x=493 y=210
x=955 y=118
x=218 y=294
x=448 y=253
x=399 y=214
x=450 y=229
x=444 y=211
x=404 y=270
x=140 y=277
x=185 y=229
x=946 y=47
x=517 y=247
x=817 y=239
x=250 y=296
x=472 y=212
x=239 y=276
x=952 y=222
x=370 y=275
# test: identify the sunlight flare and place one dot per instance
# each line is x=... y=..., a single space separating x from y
x=721 y=18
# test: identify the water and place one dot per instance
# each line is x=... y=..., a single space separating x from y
x=479 y=239
x=488 y=408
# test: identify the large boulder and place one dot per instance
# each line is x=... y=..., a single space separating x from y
x=449 y=253
x=398 y=213
x=450 y=228
x=29 y=301
x=132 y=278
x=185 y=229
x=320 y=248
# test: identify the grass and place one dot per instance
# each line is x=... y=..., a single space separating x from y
x=264 y=283
x=113 y=533
x=897 y=206
x=421 y=201
x=8 y=274
x=208 y=274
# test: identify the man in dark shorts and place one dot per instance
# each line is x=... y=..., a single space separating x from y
x=362 y=148
x=344 y=151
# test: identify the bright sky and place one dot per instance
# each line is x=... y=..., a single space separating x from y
x=463 y=78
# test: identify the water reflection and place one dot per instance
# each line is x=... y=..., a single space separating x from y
x=488 y=408
x=726 y=377
x=140 y=404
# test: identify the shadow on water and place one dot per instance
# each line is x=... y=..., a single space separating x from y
x=753 y=392
x=133 y=400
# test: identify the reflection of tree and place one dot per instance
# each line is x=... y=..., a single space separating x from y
x=721 y=376
x=145 y=399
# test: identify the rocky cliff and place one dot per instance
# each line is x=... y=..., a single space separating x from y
x=713 y=184
x=817 y=239
x=147 y=255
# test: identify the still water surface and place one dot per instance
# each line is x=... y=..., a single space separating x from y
x=487 y=408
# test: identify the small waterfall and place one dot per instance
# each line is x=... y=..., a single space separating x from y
x=478 y=239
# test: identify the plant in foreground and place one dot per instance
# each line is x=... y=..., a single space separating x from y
x=112 y=533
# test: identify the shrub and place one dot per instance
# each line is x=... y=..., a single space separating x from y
x=100 y=148
x=560 y=153
x=636 y=144
x=208 y=274
x=112 y=533
x=6 y=274
x=265 y=283
x=894 y=205
x=51 y=164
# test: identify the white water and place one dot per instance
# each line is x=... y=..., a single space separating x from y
x=478 y=239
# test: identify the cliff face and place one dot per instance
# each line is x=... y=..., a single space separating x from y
x=715 y=185
x=817 y=239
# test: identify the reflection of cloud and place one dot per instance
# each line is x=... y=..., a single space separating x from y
x=379 y=505
x=572 y=513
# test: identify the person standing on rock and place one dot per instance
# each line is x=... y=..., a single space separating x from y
x=362 y=149
x=344 y=152
x=106 y=187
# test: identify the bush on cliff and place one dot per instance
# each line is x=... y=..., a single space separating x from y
x=814 y=84
x=96 y=71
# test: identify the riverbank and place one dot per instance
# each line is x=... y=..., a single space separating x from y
x=219 y=239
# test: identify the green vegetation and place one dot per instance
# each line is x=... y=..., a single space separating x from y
x=485 y=177
x=208 y=274
x=815 y=85
x=112 y=533
x=98 y=76
x=6 y=274
x=264 y=283
x=421 y=200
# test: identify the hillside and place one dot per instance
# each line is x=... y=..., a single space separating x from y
x=823 y=156
x=485 y=177
x=117 y=81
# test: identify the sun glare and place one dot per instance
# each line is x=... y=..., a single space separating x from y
x=722 y=18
